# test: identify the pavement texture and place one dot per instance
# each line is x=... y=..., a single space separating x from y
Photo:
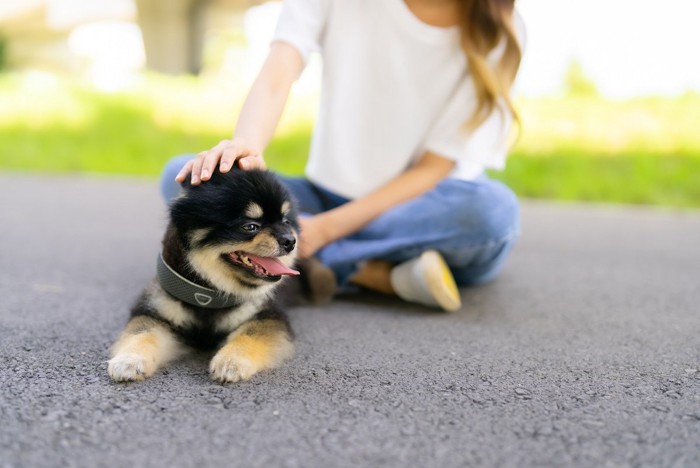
x=584 y=352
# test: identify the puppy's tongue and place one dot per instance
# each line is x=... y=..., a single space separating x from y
x=272 y=265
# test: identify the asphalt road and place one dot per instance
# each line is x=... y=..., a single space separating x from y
x=585 y=352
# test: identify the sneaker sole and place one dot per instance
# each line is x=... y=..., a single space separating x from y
x=440 y=281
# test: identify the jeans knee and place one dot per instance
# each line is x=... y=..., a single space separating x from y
x=483 y=265
x=506 y=219
x=169 y=188
x=494 y=214
x=492 y=225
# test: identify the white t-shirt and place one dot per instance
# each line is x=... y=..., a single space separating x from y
x=394 y=87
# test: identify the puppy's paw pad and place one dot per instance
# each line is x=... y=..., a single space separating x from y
x=127 y=368
x=226 y=369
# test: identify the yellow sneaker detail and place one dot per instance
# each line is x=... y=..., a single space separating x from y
x=427 y=280
x=440 y=281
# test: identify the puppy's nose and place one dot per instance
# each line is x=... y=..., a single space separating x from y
x=287 y=242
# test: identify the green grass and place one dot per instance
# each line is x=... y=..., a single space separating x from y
x=641 y=151
x=644 y=151
x=56 y=126
x=636 y=178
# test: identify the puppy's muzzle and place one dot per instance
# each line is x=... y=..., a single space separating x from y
x=287 y=242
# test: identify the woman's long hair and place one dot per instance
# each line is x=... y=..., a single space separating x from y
x=486 y=25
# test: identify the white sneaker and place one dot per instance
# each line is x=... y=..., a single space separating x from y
x=426 y=280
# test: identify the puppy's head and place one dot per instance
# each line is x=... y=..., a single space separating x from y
x=239 y=230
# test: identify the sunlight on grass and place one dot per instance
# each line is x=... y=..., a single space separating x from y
x=642 y=151
x=52 y=125
x=639 y=151
x=40 y=100
x=599 y=127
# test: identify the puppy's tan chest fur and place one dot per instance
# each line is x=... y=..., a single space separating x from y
x=182 y=316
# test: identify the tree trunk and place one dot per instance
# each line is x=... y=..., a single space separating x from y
x=173 y=34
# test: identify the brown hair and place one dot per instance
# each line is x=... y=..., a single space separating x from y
x=485 y=25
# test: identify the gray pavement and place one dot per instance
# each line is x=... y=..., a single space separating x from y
x=585 y=351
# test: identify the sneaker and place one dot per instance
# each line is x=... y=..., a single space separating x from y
x=427 y=280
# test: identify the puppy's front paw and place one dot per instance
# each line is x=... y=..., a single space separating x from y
x=129 y=368
x=228 y=367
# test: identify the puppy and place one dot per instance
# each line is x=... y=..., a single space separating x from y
x=228 y=244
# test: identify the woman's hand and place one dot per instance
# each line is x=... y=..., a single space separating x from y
x=257 y=121
x=314 y=235
x=226 y=154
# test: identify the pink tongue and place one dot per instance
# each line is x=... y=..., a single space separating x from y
x=272 y=265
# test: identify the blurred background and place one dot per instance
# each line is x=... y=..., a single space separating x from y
x=609 y=92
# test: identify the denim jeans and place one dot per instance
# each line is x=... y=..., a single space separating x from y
x=473 y=224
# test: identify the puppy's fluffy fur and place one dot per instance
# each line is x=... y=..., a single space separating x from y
x=216 y=232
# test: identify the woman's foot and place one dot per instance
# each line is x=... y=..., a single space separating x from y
x=318 y=282
x=425 y=280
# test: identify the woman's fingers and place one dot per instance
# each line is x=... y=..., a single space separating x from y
x=247 y=157
x=184 y=172
x=212 y=157
x=252 y=161
x=225 y=154
x=229 y=156
x=196 y=175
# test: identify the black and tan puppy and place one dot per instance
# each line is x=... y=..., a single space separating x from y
x=228 y=244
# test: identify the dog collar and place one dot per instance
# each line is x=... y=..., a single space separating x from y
x=192 y=293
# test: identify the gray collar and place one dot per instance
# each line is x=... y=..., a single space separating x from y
x=192 y=293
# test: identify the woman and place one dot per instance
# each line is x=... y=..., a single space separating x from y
x=415 y=106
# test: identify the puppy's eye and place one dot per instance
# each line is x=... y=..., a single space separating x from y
x=251 y=227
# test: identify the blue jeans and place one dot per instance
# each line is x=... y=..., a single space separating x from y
x=473 y=224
